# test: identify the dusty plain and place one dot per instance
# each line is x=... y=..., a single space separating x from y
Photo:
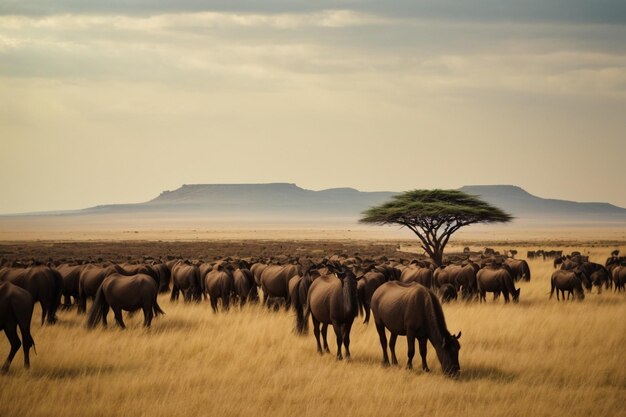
x=536 y=358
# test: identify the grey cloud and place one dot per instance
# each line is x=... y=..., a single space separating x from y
x=579 y=11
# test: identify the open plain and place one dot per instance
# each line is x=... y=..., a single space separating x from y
x=539 y=357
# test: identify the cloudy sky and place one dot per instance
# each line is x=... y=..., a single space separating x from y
x=116 y=101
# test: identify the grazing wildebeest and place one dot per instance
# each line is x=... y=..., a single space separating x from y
x=91 y=277
x=368 y=284
x=448 y=293
x=619 y=277
x=332 y=299
x=186 y=278
x=496 y=280
x=570 y=281
x=129 y=293
x=43 y=283
x=219 y=284
x=16 y=309
x=71 y=276
x=275 y=282
x=417 y=274
x=414 y=311
x=245 y=286
x=519 y=268
x=298 y=293
x=461 y=277
x=257 y=268
x=165 y=275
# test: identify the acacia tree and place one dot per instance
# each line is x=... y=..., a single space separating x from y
x=434 y=215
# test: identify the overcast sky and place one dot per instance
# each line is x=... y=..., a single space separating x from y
x=116 y=101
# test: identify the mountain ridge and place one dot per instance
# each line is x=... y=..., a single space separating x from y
x=287 y=201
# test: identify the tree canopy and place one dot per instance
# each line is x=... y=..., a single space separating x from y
x=434 y=215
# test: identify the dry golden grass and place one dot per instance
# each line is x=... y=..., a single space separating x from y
x=537 y=358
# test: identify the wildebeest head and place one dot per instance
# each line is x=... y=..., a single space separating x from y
x=449 y=355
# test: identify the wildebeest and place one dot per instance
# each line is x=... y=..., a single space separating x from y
x=91 y=277
x=414 y=311
x=129 y=293
x=417 y=274
x=186 y=279
x=42 y=282
x=461 y=277
x=244 y=284
x=519 y=268
x=298 y=293
x=570 y=281
x=332 y=299
x=220 y=285
x=275 y=282
x=16 y=310
x=71 y=276
x=368 y=284
x=496 y=280
x=448 y=293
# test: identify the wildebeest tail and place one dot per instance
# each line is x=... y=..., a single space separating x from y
x=98 y=309
x=55 y=294
x=24 y=324
x=526 y=271
x=156 y=308
x=360 y=296
x=298 y=307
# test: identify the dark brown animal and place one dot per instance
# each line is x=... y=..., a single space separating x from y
x=414 y=311
x=447 y=293
x=43 y=283
x=570 y=281
x=368 y=284
x=16 y=310
x=186 y=279
x=332 y=299
x=496 y=280
x=71 y=276
x=220 y=285
x=519 y=268
x=129 y=293
x=275 y=282
x=91 y=277
x=245 y=286
x=417 y=274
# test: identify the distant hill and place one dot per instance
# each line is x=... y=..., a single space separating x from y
x=285 y=202
x=524 y=205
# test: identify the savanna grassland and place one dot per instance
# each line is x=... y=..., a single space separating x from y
x=536 y=358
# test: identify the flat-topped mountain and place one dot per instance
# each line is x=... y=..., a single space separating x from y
x=286 y=202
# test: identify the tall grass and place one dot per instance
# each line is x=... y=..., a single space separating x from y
x=536 y=358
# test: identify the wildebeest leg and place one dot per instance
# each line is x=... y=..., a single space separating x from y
x=10 y=329
x=383 y=342
x=316 y=332
x=392 y=348
x=346 y=338
x=410 y=342
x=118 y=317
x=366 y=307
x=265 y=300
x=105 y=312
x=174 y=295
x=213 y=303
x=147 y=315
x=339 y=335
x=324 y=336
x=423 y=351
x=483 y=296
x=67 y=302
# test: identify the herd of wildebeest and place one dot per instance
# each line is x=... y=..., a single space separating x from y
x=405 y=296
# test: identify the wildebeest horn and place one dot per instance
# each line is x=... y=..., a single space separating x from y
x=458 y=336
